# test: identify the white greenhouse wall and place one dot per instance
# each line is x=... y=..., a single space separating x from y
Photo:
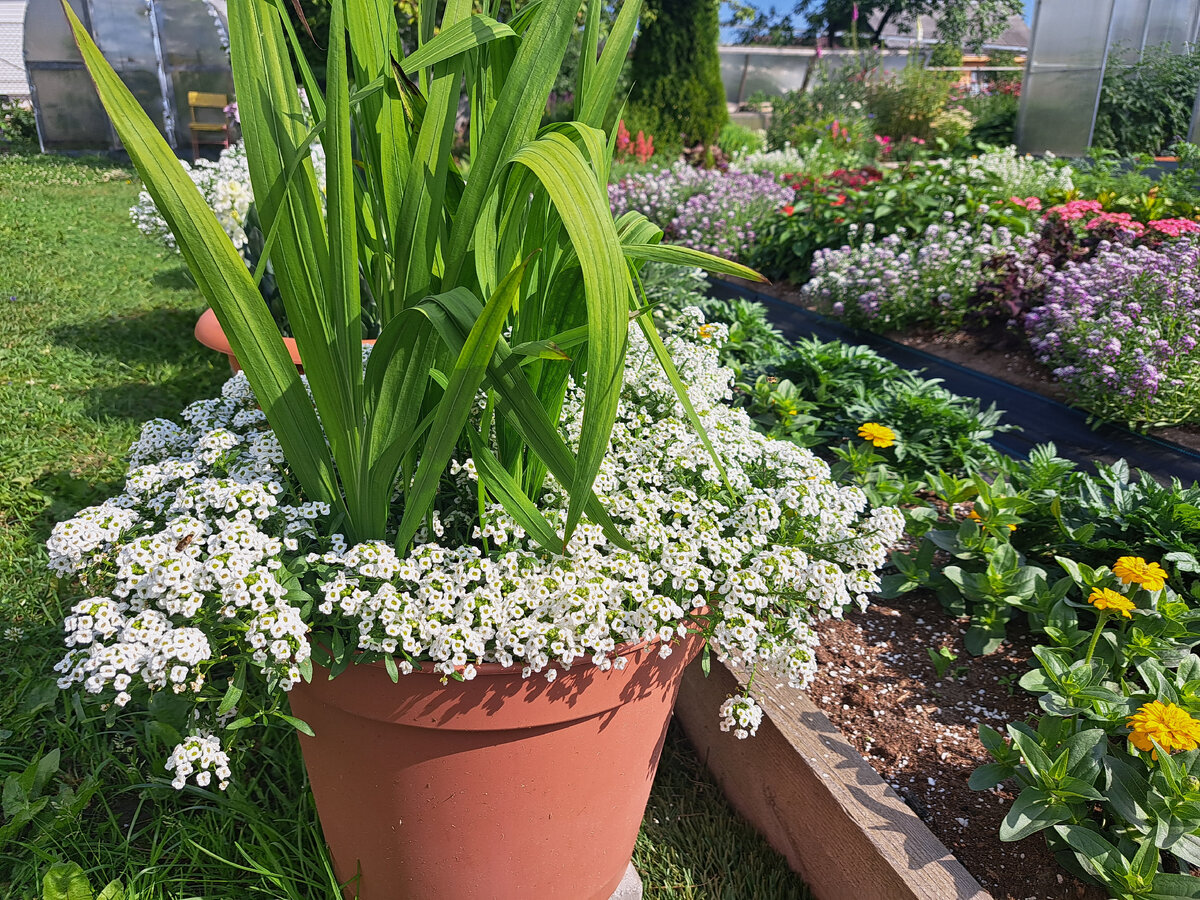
x=12 y=56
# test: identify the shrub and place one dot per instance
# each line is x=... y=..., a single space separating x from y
x=995 y=115
x=737 y=139
x=18 y=128
x=837 y=91
x=676 y=72
x=946 y=54
x=1147 y=106
x=1122 y=331
x=907 y=105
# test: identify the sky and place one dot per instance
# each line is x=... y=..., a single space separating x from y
x=728 y=34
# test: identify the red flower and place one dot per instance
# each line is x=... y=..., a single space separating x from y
x=788 y=210
x=841 y=198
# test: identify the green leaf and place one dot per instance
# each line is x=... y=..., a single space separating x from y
x=464 y=35
x=1032 y=811
x=989 y=775
x=1033 y=755
x=678 y=255
x=583 y=206
x=459 y=396
x=501 y=485
x=1169 y=886
x=66 y=881
x=221 y=276
x=299 y=724
x=237 y=686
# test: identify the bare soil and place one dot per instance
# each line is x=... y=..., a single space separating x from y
x=919 y=730
x=1009 y=361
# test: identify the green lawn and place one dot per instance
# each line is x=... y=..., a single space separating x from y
x=96 y=339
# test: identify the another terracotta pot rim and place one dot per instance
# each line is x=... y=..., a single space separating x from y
x=209 y=333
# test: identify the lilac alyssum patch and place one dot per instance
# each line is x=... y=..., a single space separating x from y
x=703 y=209
x=1122 y=330
x=897 y=283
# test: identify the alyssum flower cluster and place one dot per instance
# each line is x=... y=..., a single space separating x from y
x=210 y=564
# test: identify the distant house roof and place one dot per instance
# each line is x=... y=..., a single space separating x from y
x=905 y=31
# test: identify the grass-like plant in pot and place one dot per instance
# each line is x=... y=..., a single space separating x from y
x=468 y=553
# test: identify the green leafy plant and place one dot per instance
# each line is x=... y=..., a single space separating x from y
x=943 y=658
x=1146 y=106
x=1098 y=776
x=450 y=262
x=676 y=90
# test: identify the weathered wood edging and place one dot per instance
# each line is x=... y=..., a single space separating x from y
x=815 y=799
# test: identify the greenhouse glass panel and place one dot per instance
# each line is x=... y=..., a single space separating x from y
x=1170 y=22
x=1062 y=77
x=1128 y=28
x=161 y=49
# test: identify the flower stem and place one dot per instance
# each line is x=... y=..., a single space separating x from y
x=1096 y=634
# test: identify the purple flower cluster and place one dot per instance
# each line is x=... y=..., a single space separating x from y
x=659 y=193
x=1122 y=330
x=705 y=210
x=721 y=221
x=894 y=283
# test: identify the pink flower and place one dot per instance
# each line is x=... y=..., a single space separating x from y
x=1174 y=227
x=1033 y=204
x=1122 y=221
x=1076 y=209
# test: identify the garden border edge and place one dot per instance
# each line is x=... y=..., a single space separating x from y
x=814 y=798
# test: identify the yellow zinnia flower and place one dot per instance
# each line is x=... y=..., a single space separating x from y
x=1106 y=598
x=974 y=515
x=879 y=435
x=1171 y=727
x=1134 y=569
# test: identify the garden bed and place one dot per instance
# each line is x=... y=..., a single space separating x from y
x=1167 y=452
x=919 y=731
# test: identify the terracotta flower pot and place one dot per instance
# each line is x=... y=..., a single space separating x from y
x=209 y=333
x=500 y=787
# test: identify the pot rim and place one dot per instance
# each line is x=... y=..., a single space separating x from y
x=494 y=669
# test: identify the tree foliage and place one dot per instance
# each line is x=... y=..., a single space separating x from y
x=676 y=73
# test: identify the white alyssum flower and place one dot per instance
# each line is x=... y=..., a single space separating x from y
x=742 y=715
x=210 y=559
x=199 y=757
x=226 y=187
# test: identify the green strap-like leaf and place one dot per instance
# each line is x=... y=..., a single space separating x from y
x=459 y=396
x=221 y=276
x=594 y=99
x=460 y=37
x=686 y=256
x=514 y=119
x=504 y=488
x=583 y=206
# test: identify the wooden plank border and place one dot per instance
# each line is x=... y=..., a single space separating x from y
x=815 y=799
